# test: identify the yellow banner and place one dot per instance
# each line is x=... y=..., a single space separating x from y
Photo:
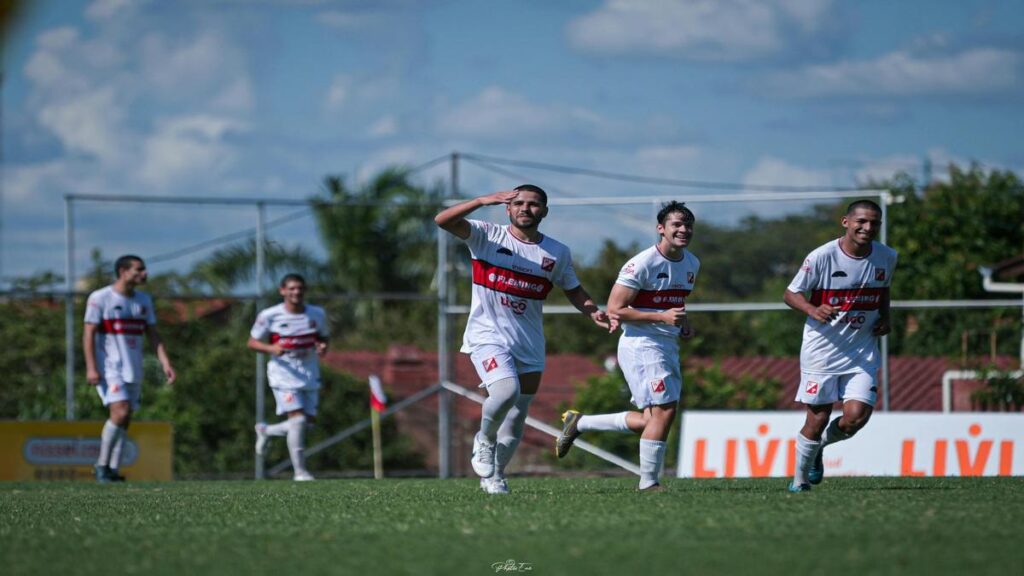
x=68 y=450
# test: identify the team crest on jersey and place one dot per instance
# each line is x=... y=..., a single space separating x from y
x=629 y=268
x=547 y=264
x=689 y=278
x=812 y=387
x=880 y=274
x=807 y=265
x=114 y=388
x=490 y=364
x=289 y=398
x=658 y=385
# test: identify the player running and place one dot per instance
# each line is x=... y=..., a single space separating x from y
x=649 y=297
x=514 y=269
x=298 y=337
x=848 y=280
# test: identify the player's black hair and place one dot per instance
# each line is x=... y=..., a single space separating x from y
x=674 y=206
x=124 y=263
x=536 y=189
x=867 y=204
x=292 y=277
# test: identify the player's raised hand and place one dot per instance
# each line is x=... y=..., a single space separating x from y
x=824 y=313
x=500 y=197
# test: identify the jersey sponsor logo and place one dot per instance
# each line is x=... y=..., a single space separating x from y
x=856 y=321
x=289 y=398
x=490 y=364
x=880 y=274
x=518 y=307
x=839 y=274
x=504 y=251
x=662 y=275
x=811 y=387
x=295 y=342
x=135 y=326
x=660 y=299
x=807 y=265
x=114 y=388
x=689 y=278
x=628 y=269
x=547 y=264
x=850 y=299
x=658 y=385
x=509 y=281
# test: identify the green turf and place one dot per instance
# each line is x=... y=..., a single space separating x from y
x=553 y=525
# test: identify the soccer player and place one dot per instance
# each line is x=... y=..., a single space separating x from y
x=649 y=297
x=116 y=318
x=514 y=269
x=848 y=280
x=298 y=337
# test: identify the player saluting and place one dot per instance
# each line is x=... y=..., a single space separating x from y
x=298 y=337
x=649 y=298
x=848 y=280
x=116 y=317
x=514 y=269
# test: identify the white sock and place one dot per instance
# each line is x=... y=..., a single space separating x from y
x=833 y=433
x=510 y=433
x=296 y=442
x=603 y=423
x=652 y=456
x=115 y=451
x=806 y=450
x=279 y=429
x=501 y=397
x=111 y=432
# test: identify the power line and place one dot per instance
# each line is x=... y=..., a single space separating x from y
x=649 y=179
x=225 y=238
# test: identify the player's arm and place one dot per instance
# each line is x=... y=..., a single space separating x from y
x=883 y=325
x=453 y=218
x=322 y=343
x=621 y=300
x=261 y=346
x=797 y=301
x=161 y=352
x=582 y=301
x=92 y=375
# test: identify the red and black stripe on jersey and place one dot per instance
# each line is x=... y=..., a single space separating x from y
x=295 y=342
x=863 y=298
x=510 y=282
x=660 y=299
x=130 y=326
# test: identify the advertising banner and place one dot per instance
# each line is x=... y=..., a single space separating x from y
x=67 y=450
x=752 y=444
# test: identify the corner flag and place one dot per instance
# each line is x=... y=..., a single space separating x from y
x=378 y=399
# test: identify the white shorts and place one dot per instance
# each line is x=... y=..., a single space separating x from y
x=289 y=400
x=651 y=367
x=828 y=388
x=495 y=363
x=111 y=391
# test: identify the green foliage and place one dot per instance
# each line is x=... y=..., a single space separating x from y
x=1000 y=394
x=709 y=388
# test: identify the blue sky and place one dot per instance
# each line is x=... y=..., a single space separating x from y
x=263 y=98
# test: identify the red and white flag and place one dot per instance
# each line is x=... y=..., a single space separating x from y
x=378 y=399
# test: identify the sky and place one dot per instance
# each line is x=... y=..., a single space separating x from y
x=263 y=99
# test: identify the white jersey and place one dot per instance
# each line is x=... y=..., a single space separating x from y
x=298 y=334
x=660 y=284
x=511 y=280
x=121 y=326
x=856 y=287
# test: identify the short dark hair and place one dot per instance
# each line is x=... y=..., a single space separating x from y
x=124 y=263
x=673 y=206
x=292 y=277
x=867 y=204
x=536 y=189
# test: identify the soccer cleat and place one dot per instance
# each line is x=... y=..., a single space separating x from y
x=483 y=456
x=652 y=488
x=115 y=476
x=817 y=471
x=261 y=438
x=303 y=476
x=494 y=485
x=570 y=432
x=102 y=474
x=794 y=487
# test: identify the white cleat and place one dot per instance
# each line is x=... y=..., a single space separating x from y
x=494 y=485
x=303 y=476
x=261 y=438
x=483 y=456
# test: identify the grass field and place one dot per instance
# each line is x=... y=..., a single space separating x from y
x=546 y=526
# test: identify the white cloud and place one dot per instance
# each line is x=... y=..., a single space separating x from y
x=337 y=93
x=107 y=9
x=385 y=126
x=976 y=71
x=91 y=124
x=775 y=172
x=708 y=30
x=185 y=148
